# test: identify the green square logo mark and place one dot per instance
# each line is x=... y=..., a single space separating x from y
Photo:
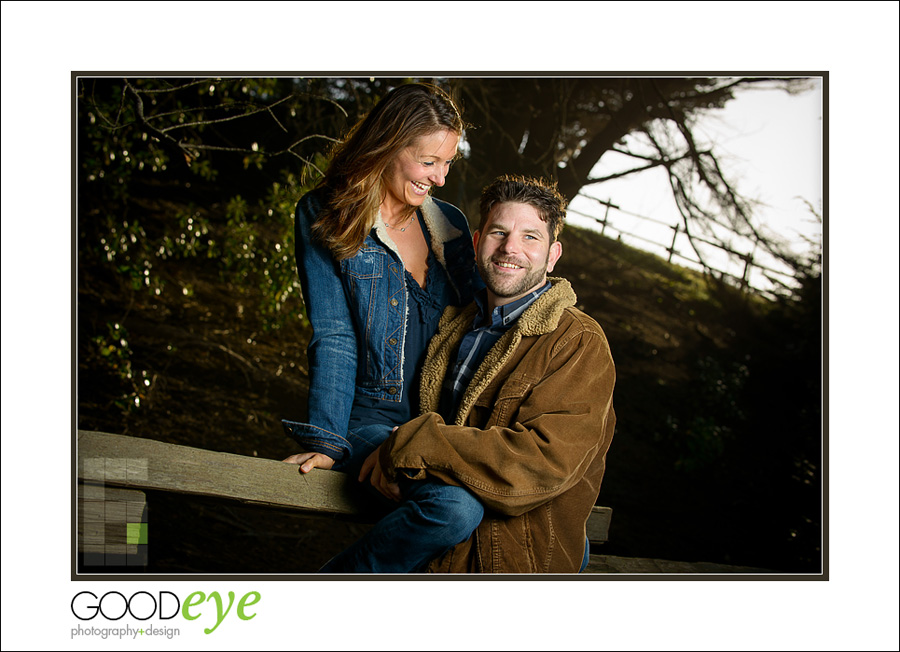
x=136 y=533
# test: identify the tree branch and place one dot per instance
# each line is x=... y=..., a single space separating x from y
x=203 y=123
x=163 y=137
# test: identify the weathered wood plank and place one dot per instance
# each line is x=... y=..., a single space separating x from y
x=634 y=565
x=598 y=524
x=122 y=461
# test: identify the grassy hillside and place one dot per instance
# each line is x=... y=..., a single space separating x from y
x=717 y=452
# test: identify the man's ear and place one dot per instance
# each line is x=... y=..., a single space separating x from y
x=475 y=237
x=555 y=253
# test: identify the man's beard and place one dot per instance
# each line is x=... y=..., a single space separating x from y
x=508 y=286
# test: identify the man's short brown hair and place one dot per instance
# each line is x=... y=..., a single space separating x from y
x=542 y=195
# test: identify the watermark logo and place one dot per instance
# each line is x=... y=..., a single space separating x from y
x=142 y=606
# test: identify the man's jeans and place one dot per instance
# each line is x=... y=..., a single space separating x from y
x=432 y=518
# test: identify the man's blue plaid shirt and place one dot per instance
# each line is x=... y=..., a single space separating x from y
x=477 y=342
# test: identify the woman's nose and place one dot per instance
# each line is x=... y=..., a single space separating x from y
x=439 y=176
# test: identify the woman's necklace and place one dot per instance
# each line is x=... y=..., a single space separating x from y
x=397 y=228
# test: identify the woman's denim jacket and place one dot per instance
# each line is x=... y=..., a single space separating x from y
x=357 y=309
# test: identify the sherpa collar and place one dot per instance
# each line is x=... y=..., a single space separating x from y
x=541 y=318
x=438 y=226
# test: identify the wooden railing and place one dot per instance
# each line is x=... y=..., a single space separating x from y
x=749 y=260
x=115 y=470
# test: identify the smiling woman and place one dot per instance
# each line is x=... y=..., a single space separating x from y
x=379 y=259
x=416 y=170
x=410 y=120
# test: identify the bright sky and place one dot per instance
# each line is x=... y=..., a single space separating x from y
x=771 y=146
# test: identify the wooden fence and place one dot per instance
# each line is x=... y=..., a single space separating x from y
x=114 y=471
x=742 y=281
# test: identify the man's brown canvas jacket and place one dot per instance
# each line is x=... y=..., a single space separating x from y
x=530 y=439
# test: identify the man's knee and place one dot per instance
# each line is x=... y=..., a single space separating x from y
x=454 y=509
x=467 y=510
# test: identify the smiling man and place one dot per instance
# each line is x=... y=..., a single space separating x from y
x=516 y=252
x=516 y=402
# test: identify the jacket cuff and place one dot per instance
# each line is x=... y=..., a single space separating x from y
x=412 y=466
x=316 y=440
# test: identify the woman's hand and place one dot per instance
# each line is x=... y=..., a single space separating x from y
x=379 y=480
x=310 y=461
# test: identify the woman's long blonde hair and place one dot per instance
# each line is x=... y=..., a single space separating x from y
x=354 y=179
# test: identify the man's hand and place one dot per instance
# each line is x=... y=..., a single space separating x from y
x=379 y=480
x=310 y=461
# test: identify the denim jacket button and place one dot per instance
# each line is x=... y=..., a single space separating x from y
x=392 y=390
x=394 y=302
x=393 y=341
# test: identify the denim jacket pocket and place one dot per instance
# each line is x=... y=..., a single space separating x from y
x=368 y=263
x=376 y=296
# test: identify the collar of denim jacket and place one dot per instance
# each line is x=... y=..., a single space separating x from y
x=438 y=225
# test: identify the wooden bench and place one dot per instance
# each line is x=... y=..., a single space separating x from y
x=114 y=471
